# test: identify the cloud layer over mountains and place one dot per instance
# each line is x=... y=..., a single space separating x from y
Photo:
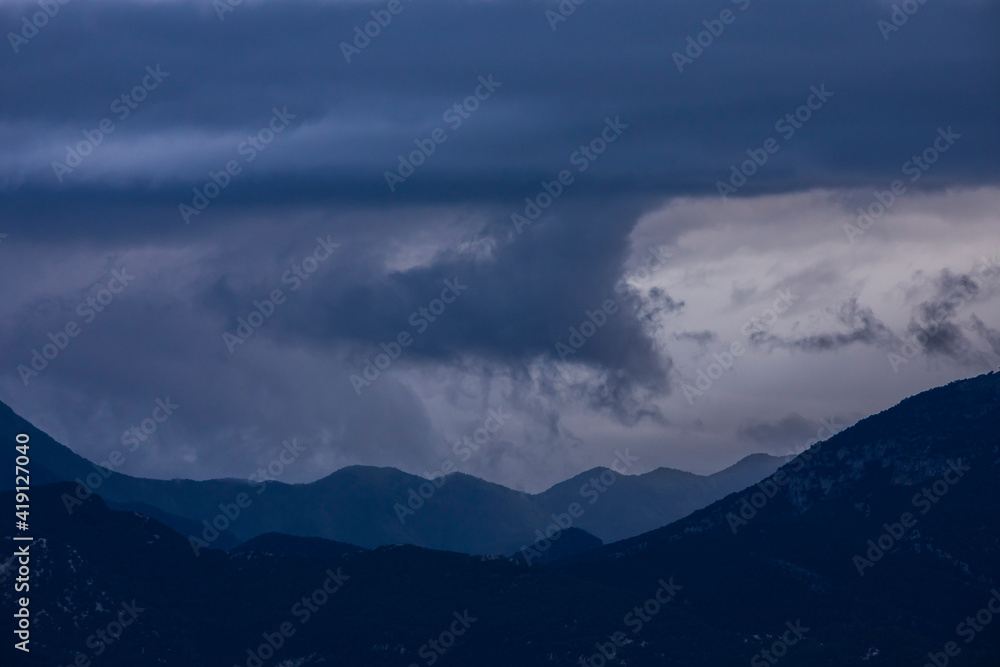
x=259 y=116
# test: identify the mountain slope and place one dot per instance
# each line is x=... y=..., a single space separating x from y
x=885 y=534
x=634 y=504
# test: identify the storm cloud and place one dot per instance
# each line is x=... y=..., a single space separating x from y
x=541 y=167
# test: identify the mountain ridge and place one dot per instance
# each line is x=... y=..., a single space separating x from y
x=378 y=505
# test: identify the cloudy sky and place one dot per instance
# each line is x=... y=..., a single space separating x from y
x=687 y=175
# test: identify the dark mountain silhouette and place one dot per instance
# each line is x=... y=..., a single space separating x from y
x=387 y=606
x=276 y=544
x=180 y=524
x=372 y=507
x=885 y=536
x=568 y=542
x=834 y=563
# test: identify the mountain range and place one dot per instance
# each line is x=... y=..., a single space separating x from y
x=371 y=506
x=877 y=546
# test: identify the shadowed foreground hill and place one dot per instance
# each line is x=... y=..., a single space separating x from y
x=885 y=536
x=342 y=606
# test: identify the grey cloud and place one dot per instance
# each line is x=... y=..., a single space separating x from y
x=353 y=120
x=788 y=432
x=990 y=335
x=935 y=324
x=742 y=295
x=862 y=325
x=702 y=338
